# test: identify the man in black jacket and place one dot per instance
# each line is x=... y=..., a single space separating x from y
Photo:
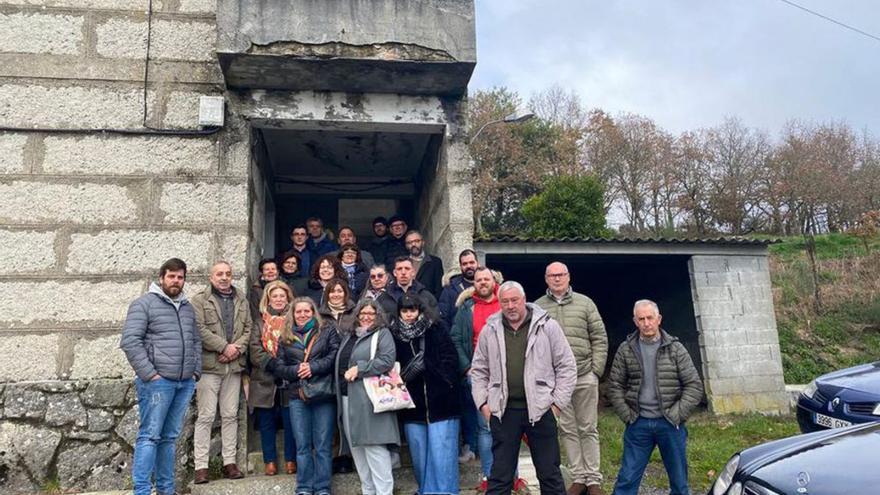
x=394 y=245
x=429 y=269
x=405 y=283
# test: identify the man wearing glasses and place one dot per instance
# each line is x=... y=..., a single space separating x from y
x=585 y=332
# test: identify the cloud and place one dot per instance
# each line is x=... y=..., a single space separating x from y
x=688 y=64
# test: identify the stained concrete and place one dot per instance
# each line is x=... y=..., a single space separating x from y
x=426 y=47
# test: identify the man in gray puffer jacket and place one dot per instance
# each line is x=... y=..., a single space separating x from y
x=163 y=346
x=653 y=387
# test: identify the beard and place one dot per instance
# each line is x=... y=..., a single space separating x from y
x=469 y=274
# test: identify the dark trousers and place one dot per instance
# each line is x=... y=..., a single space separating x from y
x=543 y=444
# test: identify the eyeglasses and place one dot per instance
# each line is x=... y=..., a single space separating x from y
x=366 y=313
x=557 y=275
x=375 y=276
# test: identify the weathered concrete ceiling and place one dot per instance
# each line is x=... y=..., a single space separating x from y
x=345 y=154
x=392 y=46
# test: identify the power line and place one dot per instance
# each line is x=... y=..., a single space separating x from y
x=841 y=24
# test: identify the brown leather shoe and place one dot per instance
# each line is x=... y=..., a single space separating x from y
x=595 y=490
x=290 y=466
x=576 y=489
x=230 y=471
x=271 y=469
x=201 y=477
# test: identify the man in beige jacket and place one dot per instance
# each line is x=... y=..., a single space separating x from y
x=224 y=321
x=585 y=332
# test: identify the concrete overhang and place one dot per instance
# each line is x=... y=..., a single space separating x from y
x=382 y=46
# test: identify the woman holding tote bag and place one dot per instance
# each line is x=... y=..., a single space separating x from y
x=307 y=355
x=365 y=433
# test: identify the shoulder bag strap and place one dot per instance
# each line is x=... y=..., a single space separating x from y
x=374 y=342
x=311 y=343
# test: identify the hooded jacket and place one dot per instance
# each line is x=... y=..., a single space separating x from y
x=549 y=375
x=462 y=331
x=679 y=388
x=160 y=337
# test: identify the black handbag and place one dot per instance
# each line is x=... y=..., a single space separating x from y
x=316 y=387
x=416 y=365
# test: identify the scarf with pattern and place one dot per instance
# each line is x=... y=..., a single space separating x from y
x=303 y=335
x=408 y=331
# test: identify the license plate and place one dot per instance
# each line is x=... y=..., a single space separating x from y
x=829 y=422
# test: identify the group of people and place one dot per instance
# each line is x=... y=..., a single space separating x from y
x=485 y=370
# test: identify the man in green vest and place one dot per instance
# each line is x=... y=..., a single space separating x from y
x=583 y=327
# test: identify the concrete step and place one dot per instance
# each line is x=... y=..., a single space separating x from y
x=343 y=484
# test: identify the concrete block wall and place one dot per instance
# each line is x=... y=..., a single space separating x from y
x=86 y=217
x=739 y=343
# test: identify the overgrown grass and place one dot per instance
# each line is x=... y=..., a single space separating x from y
x=830 y=246
x=847 y=332
x=711 y=442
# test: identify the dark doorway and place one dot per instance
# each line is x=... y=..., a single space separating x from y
x=614 y=283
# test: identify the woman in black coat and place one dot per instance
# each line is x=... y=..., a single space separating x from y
x=307 y=355
x=429 y=366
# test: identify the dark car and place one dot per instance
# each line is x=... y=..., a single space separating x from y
x=831 y=462
x=840 y=399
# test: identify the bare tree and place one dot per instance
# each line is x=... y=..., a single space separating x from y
x=691 y=170
x=736 y=156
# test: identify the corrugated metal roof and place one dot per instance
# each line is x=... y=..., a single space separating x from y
x=716 y=241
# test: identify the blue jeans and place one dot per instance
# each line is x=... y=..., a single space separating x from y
x=162 y=405
x=267 y=422
x=434 y=451
x=639 y=440
x=468 y=416
x=313 y=424
x=484 y=444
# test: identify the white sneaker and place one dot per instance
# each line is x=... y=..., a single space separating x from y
x=466 y=455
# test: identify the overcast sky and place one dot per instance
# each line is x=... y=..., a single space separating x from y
x=688 y=64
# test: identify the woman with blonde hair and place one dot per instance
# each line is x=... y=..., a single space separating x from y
x=267 y=396
x=364 y=433
x=305 y=361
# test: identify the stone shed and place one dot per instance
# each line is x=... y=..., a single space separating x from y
x=112 y=160
x=714 y=295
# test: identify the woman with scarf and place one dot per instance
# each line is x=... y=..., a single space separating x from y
x=290 y=263
x=266 y=395
x=268 y=273
x=429 y=366
x=338 y=306
x=306 y=356
x=350 y=257
x=364 y=433
x=324 y=269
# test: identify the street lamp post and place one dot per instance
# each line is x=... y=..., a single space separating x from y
x=514 y=118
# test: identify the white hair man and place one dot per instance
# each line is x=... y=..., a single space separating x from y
x=523 y=374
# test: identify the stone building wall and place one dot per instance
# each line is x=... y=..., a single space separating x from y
x=86 y=218
x=733 y=305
